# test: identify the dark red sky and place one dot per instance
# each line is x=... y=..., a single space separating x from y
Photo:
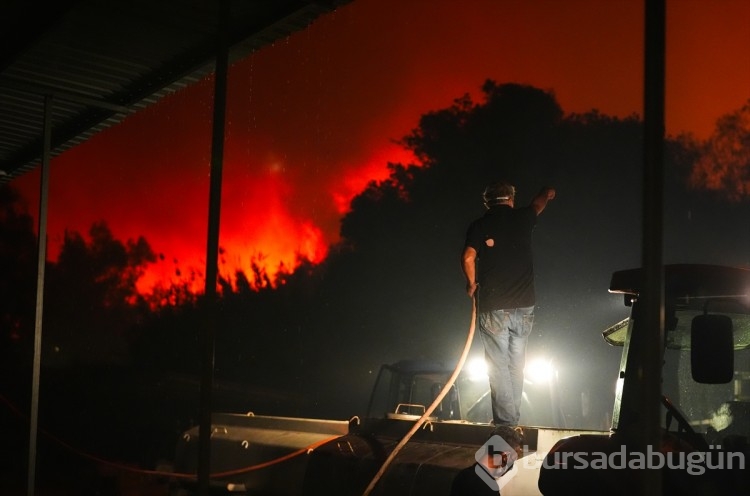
x=313 y=117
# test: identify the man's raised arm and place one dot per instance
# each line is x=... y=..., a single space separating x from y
x=540 y=200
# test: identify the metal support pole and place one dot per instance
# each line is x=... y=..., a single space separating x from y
x=208 y=335
x=652 y=250
x=41 y=262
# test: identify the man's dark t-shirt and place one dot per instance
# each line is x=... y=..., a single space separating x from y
x=505 y=267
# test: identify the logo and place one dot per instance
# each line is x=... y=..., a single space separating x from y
x=494 y=458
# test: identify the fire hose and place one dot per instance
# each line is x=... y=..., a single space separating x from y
x=418 y=424
x=162 y=473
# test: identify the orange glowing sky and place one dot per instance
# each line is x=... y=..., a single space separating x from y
x=312 y=118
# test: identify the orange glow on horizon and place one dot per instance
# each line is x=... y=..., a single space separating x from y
x=355 y=181
x=311 y=120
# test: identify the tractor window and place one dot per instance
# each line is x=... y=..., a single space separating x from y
x=714 y=410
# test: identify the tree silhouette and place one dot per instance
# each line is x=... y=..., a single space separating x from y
x=91 y=299
x=707 y=201
x=18 y=264
x=724 y=164
x=411 y=226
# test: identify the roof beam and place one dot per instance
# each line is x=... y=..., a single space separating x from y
x=59 y=94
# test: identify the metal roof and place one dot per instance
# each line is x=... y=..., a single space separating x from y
x=101 y=60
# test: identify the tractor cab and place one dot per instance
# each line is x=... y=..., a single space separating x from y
x=705 y=385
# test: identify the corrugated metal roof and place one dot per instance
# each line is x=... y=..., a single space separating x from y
x=100 y=60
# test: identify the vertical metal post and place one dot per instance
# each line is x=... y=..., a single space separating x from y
x=652 y=250
x=41 y=262
x=208 y=335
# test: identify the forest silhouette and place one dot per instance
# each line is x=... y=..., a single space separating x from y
x=117 y=364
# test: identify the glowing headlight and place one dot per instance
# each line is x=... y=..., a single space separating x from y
x=539 y=370
x=476 y=368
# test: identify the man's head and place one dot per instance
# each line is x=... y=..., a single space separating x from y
x=499 y=193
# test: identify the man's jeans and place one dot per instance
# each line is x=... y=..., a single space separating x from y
x=505 y=334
